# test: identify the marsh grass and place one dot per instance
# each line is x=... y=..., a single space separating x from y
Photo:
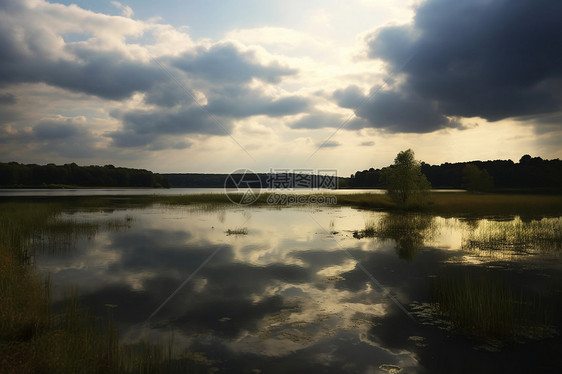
x=60 y=234
x=21 y=224
x=410 y=231
x=147 y=357
x=484 y=205
x=465 y=204
x=481 y=304
x=367 y=201
x=535 y=235
x=35 y=339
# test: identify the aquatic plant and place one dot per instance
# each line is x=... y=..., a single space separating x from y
x=479 y=303
x=33 y=337
x=409 y=231
x=515 y=234
x=237 y=231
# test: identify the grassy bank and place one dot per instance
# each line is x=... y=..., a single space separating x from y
x=32 y=338
x=442 y=203
x=495 y=204
x=467 y=204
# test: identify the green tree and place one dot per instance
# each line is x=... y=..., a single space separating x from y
x=476 y=179
x=404 y=181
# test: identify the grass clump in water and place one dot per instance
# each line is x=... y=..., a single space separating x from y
x=544 y=234
x=409 y=231
x=237 y=231
x=480 y=304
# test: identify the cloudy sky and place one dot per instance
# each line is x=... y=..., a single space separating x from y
x=212 y=86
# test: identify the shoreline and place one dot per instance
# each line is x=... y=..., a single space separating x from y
x=458 y=204
x=462 y=204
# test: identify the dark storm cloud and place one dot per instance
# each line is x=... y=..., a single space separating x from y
x=8 y=111
x=221 y=72
x=49 y=130
x=244 y=103
x=7 y=98
x=36 y=49
x=181 y=145
x=351 y=97
x=67 y=137
x=493 y=59
x=141 y=128
x=224 y=63
x=185 y=121
x=404 y=112
x=168 y=94
x=106 y=74
x=545 y=123
x=55 y=131
x=115 y=75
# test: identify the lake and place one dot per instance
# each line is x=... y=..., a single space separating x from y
x=167 y=191
x=319 y=289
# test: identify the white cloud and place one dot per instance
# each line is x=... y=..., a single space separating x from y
x=100 y=71
x=126 y=10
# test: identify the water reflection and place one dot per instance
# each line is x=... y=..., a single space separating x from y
x=410 y=232
x=286 y=295
x=543 y=234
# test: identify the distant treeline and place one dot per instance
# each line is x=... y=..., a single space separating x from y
x=16 y=175
x=265 y=180
x=530 y=173
x=195 y=180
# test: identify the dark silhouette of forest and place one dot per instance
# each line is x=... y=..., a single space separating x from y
x=530 y=173
x=265 y=180
x=17 y=175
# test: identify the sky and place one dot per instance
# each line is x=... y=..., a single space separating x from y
x=214 y=86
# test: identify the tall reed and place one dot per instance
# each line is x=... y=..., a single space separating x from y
x=33 y=338
x=479 y=303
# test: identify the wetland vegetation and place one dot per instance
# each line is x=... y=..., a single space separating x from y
x=480 y=303
x=35 y=336
x=278 y=283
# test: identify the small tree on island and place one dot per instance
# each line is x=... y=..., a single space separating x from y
x=404 y=181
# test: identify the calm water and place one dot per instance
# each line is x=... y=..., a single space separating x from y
x=303 y=289
x=163 y=191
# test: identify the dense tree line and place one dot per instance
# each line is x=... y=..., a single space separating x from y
x=196 y=180
x=529 y=173
x=13 y=174
x=266 y=180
